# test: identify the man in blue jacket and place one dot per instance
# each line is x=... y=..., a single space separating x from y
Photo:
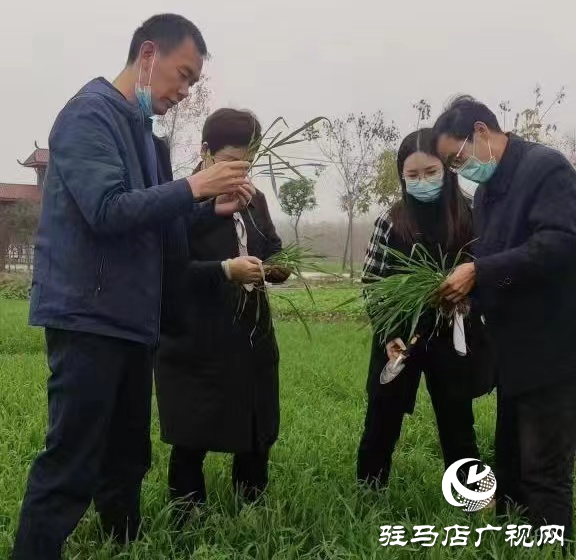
x=98 y=280
x=524 y=277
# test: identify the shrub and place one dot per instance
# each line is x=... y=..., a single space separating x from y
x=14 y=286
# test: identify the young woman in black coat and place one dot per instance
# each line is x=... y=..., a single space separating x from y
x=217 y=372
x=434 y=213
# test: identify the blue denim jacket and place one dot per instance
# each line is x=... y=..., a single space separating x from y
x=98 y=255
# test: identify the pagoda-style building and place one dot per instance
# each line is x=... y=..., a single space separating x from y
x=15 y=253
x=14 y=192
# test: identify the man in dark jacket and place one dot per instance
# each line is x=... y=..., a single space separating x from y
x=97 y=284
x=524 y=277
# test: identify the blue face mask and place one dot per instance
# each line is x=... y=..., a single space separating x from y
x=144 y=98
x=425 y=190
x=144 y=93
x=475 y=170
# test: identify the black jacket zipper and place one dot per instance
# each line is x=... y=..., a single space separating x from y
x=100 y=274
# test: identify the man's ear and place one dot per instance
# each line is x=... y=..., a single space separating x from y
x=147 y=49
x=205 y=151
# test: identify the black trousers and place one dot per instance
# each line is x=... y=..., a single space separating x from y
x=535 y=447
x=383 y=424
x=97 y=445
x=186 y=475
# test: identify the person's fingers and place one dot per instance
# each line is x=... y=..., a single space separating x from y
x=236 y=179
x=235 y=186
x=399 y=343
x=246 y=191
x=254 y=274
x=247 y=187
x=392 y=350
x=229 y=188
x=235 y=174
x=454 y=297
x=445 y=289
x=230 y=169
x=243 y=199
x=253 y=260
x=237 y=165
x=225 y=198
x=451 y=289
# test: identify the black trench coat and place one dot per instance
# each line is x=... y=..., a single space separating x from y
x=217 y=378
x=525 y=220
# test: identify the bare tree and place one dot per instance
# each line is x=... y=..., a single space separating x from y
x=569 y=146
x=424 y=110
x=181 y=127
x=354 y=145
x=530 y=123
x=505 y=110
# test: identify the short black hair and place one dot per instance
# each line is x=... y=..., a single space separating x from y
x=461 y=114
x=231 y=127
x=167 y=31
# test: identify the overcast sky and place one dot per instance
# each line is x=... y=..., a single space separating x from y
x=298 y=59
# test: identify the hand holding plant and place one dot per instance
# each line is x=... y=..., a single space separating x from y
x=459 y=283
x=395 y=348
x=245 y=270
x=397 y=302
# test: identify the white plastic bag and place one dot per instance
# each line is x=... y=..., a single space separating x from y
x=459 y=335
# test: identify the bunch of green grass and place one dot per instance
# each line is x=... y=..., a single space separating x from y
x=397 y=302
x=298 y=260
x=265 y=151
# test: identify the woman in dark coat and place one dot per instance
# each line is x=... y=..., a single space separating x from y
x=217 y=372
x=434 y=213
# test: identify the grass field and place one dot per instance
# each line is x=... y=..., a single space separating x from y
x=313 y=510
x=325 y=305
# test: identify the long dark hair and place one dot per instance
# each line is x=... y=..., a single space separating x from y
x=456 y=208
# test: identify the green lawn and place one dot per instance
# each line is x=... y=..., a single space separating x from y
x=313 y=510
x=325 y=303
